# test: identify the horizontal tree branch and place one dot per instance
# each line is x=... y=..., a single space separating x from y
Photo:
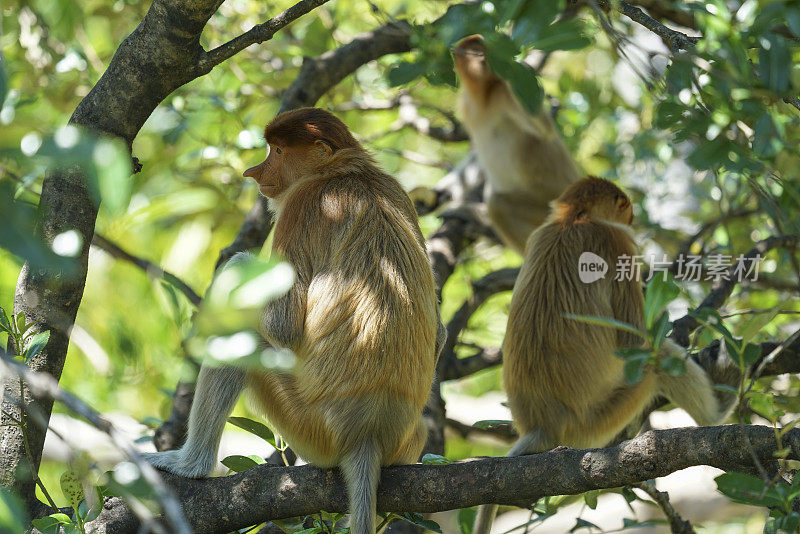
x=257 y=34
x=263 y=493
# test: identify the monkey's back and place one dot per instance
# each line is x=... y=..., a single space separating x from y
x=557 y=370
x=370 y=325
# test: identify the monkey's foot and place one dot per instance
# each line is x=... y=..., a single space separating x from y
x=198 y=466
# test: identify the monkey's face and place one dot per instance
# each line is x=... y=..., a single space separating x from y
x=270 y=174
x=470 y=59
x=285 y=165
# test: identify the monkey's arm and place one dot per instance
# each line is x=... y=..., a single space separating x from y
x=216 y=393
x=283 y=319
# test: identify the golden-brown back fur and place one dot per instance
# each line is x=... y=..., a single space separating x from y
x=371 y=312
x=526 y=162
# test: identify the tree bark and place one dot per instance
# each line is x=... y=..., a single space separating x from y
x=263 y=493
x=160 y=55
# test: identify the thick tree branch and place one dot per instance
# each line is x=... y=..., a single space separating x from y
x=257 y=34
x=264 y=492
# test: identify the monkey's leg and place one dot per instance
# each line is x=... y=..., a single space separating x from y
x=216 y=393
x=530 y=443
x=307 y=431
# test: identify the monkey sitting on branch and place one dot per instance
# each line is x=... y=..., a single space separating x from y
x=361 y=318
x=565 y=383
x=526 y=162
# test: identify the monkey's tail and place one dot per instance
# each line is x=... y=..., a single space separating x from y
x=530 y=443
x=362 y=469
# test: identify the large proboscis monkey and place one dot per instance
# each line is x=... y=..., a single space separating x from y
x=361 y=318
x=526 y=162
x=564 y=382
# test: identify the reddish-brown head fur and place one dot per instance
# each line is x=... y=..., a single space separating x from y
x=593 y=198
x=301 y=142
x=307 y=125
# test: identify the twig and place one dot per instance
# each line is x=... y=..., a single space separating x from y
x=491 y=284
x=686 y=246
x=257 y=34
x=152 y=270
x=674 y=39
x=723 y=288
x=42 y=385
x=677 y=524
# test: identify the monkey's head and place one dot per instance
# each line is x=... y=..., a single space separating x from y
x=470 y=59
x=592 y=199
x=301 y=142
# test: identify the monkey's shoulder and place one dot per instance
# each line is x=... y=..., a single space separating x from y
x=563 y=246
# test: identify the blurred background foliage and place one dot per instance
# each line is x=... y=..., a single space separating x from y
x=705 y=138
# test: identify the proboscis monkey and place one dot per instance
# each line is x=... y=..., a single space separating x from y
x=564 y=382
x=361 y=318
x=526 y=162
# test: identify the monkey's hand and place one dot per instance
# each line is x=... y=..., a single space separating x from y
x=180 y=463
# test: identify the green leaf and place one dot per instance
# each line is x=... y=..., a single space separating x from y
x=747 y=489
x=435 y=459
x=22 y=326
x=635 y=360
x=751 y=354
x=112 y=164
x=793 y=21
x=36 y=344
x=13 y=517
x=750 y=327
x=3 y=84
x=488 y=424
x=405 y=72
x=658 y=294
x=51 y=523
x=239 y=463
x=72 y=488
x=5 y=324
x=417 y=519
x=564 y=35
x=766 y=137
x=582 y=523
x=254 y=427
x=660 y=330
x=774 y=62
x=764 y=405
x=590 y=498
x=466 y=520
x=607 y=322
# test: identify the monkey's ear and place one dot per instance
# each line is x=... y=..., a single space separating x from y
x=324 y=146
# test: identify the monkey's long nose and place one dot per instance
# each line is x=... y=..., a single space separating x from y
x=254 y=172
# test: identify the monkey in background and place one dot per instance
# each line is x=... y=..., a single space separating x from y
x=526 y=162
x=565 y=385
x=361 y=318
